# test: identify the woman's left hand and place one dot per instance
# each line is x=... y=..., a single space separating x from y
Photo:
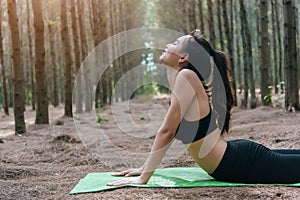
x=132 y=180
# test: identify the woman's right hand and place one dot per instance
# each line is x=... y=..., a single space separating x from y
x=129 y=172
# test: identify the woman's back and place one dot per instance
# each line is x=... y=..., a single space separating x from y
x=208 y=151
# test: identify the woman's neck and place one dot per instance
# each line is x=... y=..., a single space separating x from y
x=176 y=68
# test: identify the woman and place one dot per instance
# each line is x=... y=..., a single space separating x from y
x=199 y=114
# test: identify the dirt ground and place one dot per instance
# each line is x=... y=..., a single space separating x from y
x=49 y=160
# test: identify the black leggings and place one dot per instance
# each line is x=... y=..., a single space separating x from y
x=245 y=161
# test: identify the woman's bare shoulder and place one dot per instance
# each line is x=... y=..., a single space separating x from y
x=188 y=75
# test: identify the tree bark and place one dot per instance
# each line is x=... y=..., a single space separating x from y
x=265 y=66
x=212 y=35
x=297 y=6
x=115 y=46
x=18 y=82
x=42 y=116
x=280 y=54
x=3 y=71
x=31 y=59
x=231 y=20
x=95 y=24
x=238 y=50
x=275 y=48
x=201 y=18
x=84 y=50
x=290 y=56
x=78 y=94
x=68 y=59
x=220 y=25
x=55 y=99
x=184 y=14
x=245 y=53
x=248 y=59
x=230 y=46
x=192 y=15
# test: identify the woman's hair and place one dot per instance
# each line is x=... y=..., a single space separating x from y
x=219 y=89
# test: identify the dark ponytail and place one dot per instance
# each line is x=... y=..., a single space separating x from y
x=222 y=102
x=221 y=90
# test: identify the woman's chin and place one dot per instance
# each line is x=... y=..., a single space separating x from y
x=161 y=58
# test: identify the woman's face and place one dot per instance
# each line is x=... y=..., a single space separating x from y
x=172 y=53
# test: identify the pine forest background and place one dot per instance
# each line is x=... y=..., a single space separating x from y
x=43 y=44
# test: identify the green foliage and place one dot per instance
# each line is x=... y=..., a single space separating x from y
x=19 y=134
x=29 y=98
x=149 y=90
x=101 y=118
x=141 y=118
x=145 y=90
x=162 y=89
x=268 y=98
x=99 y=104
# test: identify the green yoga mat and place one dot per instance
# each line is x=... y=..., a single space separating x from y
x=162 y=178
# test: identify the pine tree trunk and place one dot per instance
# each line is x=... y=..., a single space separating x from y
x=116 y=28
x=192 y=15
x=248 y=59
x=238 y=50
x=117 y=72
x=84 y=49
x=246 y=81
x=4 y=86
x=212 y=35
x=280 y=54
x=231 y=19
x=121 y=20
x=68 y=59
x=95 y=24
x=185 y=25
x=31 y=59
x=201 y=18
x=297 y=6
x=10 y=83
x=18 y=82
x=113 y=30
x=55 y=100
x=24 y=56
x=124 y=45
x=274 y=41
x=265 y=66
x=79 y=95
x=258 y=40
x=221 y=38
x=251 y=70
x=291 y=55
x=42 y=116
x=229 y=46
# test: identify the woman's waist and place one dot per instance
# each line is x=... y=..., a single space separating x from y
x=209 y=151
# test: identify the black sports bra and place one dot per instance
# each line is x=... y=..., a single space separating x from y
x=191 y=131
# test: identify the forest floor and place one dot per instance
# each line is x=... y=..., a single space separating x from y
x=49 y=160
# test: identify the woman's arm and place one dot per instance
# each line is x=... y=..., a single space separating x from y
x=181 y=98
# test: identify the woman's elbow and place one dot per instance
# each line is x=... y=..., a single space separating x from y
x=167 y=132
